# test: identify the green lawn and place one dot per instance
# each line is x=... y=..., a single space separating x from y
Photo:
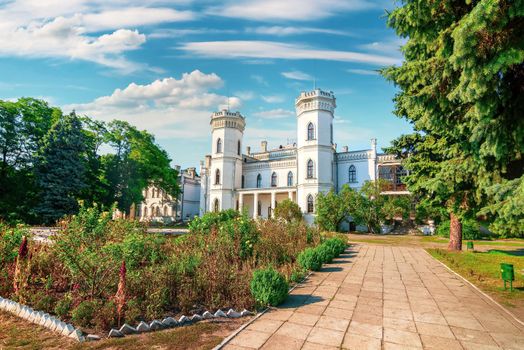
x=483 y=270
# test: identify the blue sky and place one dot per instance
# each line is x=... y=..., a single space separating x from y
x=165 y=66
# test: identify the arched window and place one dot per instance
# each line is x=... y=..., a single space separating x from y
x=310 y=207
x=144 y=214
x=216 y=206
x=309 y=172
x=243 y=184
x=352 y=174
x=153 y=191
x=331 y=129
x=290 y=178
x=310 y=131
x=157 y=211
x=217 y=177
x=259 y=181
x=219 y=145
x=165 y=211
x=259 y=208
x=239 y=149
x=274 y=179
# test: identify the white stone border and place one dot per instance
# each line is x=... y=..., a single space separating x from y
x=170 y=322
x=43 y=319
x=478 y=290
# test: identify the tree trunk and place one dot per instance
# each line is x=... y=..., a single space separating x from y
x=455 y=233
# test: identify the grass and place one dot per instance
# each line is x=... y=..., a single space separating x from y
x=483 y=270
x=19 y=334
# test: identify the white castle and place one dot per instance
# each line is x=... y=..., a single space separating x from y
x=257 y=182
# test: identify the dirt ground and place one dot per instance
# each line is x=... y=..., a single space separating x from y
x=16 y=333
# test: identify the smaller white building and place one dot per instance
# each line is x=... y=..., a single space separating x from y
x=158 y=206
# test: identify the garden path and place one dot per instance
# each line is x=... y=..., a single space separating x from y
x=383 y=297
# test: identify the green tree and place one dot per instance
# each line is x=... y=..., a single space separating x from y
x=331 y=211
x=288 y=210
x=60 y=169
x=461 y=86
x=23 y=125
x=137 y=162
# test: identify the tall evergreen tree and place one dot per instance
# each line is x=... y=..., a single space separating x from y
x=461 y=87
x=61 y=169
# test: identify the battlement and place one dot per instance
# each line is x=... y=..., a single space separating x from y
x=227 y=119
x=315 y=100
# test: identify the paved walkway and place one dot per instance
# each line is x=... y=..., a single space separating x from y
x=383 y=297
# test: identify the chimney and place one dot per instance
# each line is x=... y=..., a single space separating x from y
x=345 y=149
x=191 y=172
x=263 y=145
x=248 y=150
x=374 y=145
x=208 y=162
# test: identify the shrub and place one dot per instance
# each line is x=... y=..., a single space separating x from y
x=310 y=259
x=63 y=306
x=297 y=275
x=83 y=313
x=10 y=239
x=288 y=211
x=470 y=229
x=268 y=287
x=326 y=253
x=208 y=220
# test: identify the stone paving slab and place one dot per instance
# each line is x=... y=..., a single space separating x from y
x=383 y=297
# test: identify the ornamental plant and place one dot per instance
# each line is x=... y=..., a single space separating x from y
x=268 y=287
x=310 y=259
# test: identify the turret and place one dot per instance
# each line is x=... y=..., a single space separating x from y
x=315 y=153
x=227 y=129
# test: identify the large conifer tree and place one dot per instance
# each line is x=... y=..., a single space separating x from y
x=61 y=169
x=462 y=88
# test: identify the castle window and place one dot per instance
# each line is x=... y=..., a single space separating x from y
x=259 y=208
x=216 y=205
x=165 y=211
x=309 y=172
x=219 y=145
x=144 y=214
x=310 y=206
x=157 y=211
x=274 y=179
x=243 y=181
x=259 y=181
x=217 y=177
x=290 y=179
x=238 y=148
x=352 y=174
x=331 y=129
x=310 y=131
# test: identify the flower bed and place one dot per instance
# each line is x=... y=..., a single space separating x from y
x=79 y=276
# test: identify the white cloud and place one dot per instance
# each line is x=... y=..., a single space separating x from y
x=297 y=75
x=278 y=113
x=279 y=50
x=177 y=33
x=391 y=46
x=65 y=29
x=167 y=107
x=284 y=31
x=259 y=79
x=362 y=71
x=294 y=10
x=245 y=95
x=273 y=99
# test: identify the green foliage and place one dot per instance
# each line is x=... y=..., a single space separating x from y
x=268 y=287
x=288 y=211
x=310 y=259
x=60 y=169
x=63 y=306
x=10 y=239
x=461 y=88
x=82 y=314
x=470 y=229
x=331 y=210
x=325 y=253
x=211 y=219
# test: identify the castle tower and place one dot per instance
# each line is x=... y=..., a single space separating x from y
x=225 y=171
x=315 y=151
